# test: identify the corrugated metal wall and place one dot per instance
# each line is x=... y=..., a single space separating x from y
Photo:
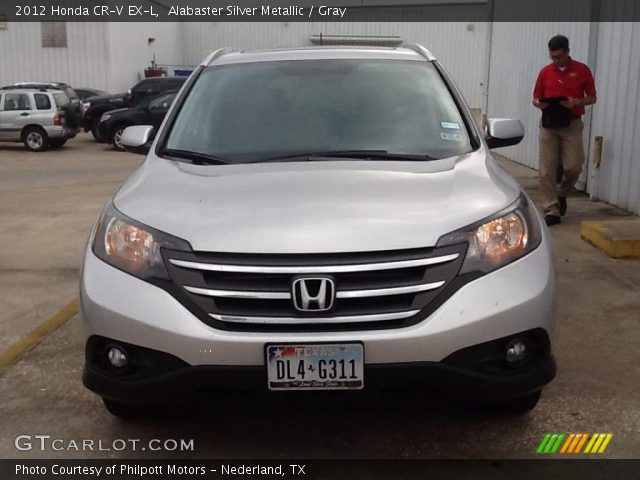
x=461 y=47
x=84 y=63
x=108 y=56
x=518 y=52
x=616 y=116
x=131 y=50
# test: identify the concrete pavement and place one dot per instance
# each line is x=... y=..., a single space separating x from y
x=48 y=204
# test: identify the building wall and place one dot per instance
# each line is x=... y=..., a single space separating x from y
x=108 y=56
x=616 y=116
x=84 y=62
x=131 y=52
x=112 y=56
x=461 y=47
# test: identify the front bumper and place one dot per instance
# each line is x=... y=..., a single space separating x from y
x=472 y=374
x=515 y=298
x=190 y=355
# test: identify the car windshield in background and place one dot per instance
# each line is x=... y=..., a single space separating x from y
x=71 y=94
x=161 y=101
x=268 y=110
x=61 y=99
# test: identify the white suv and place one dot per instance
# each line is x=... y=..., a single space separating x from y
x=319 y=219
x=34 y=116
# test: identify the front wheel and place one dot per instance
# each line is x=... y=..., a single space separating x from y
x=515 y=406
x=525 y=403
x=126 y=411
x=94 y=131
x=116 y=137
x=35 y=139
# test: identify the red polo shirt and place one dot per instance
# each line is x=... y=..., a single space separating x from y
x=574 y=81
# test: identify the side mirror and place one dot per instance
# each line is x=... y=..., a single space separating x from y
x=503 y=132
x=138 y=139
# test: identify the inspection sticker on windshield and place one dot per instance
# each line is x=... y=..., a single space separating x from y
x=456 y=137
x=450 y=125
x=325 y=366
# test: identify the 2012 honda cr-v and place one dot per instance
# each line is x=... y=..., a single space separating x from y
x=319 y=219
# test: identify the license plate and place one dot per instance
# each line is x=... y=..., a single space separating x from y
x=338 y=366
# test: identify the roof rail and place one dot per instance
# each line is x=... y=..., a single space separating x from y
x=216 y=54
x=32 y=86
x=29 y=87
x=416 y=47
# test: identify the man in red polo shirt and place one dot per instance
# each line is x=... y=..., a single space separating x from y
x=563 y=84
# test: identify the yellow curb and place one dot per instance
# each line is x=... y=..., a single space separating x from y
x=37 y=335
x=616 y=238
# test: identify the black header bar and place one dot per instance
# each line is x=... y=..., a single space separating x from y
x=318 y=469
x=319 y=10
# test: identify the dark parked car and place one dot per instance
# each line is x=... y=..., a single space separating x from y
x=85 y=93
x=141 y=91
x=150 y=112
x=73 y=110
x=150 y=87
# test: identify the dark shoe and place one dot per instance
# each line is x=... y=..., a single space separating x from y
x=552 y=220
x=562 y=203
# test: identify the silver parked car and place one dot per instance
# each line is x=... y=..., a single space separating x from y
x=319 y=219
x=34 y=116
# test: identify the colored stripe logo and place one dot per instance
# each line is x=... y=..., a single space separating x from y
x=574 y=443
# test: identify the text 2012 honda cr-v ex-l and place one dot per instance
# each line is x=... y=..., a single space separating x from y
x=319 y=219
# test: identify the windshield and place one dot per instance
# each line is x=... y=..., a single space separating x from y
x=71 y=93
x=264 y=110
x=162 y=101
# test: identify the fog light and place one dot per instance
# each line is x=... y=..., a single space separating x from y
x=117 y=357
x=516 y=352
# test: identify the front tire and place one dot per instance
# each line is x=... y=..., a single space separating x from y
x=515 y=406
x=126 y=411
x=35 y=139
x=525 y=403
x=116 y=137
x=94 y=131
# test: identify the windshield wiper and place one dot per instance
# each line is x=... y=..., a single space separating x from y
x=346 y=154
x=371 y=155
x=196 y=158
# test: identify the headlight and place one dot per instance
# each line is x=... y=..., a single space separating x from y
x=500 y=239
x=131 y=246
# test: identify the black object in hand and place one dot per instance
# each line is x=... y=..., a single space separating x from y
x=555 y=115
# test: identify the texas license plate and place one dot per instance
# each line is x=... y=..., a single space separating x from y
x=327 y=366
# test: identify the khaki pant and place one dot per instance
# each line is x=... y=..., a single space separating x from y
x=560 y=148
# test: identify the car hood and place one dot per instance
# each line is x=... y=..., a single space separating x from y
x=117 y=111
x=316 y=207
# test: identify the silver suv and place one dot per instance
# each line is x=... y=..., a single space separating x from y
x=319 y=219
x=34 y=116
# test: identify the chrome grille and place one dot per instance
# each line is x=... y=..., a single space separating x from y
x=381 y=289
